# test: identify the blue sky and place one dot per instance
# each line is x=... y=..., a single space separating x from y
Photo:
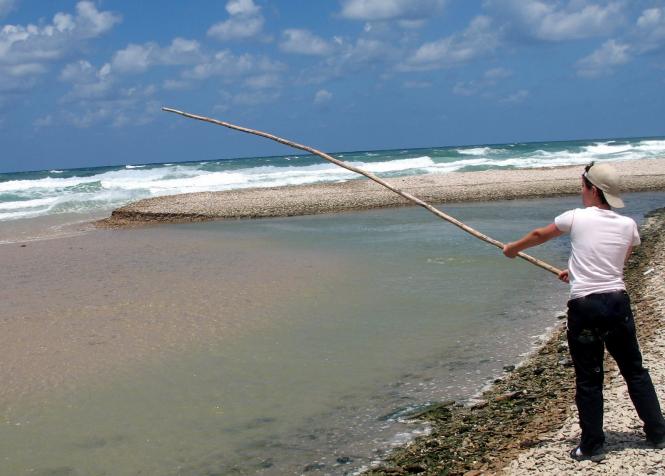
x=82 y=82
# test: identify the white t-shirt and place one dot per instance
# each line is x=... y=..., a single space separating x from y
x=600 y=240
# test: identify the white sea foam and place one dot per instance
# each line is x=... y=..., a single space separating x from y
x=655 y=146
x=475 y=151
x=48 y=183
x=27 y=204
x=55 y=171
x=605 y=148
x=114 y=188
x=397 y=165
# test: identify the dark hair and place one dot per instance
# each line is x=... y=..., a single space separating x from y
x=588 y=184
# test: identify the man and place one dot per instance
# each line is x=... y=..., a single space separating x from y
x=599 y=313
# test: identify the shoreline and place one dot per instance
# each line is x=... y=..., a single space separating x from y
x=295 y=200
x=513 y=423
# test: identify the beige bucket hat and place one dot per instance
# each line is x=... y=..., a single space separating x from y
x=606 y=178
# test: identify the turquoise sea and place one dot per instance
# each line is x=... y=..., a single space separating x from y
x=97 y=189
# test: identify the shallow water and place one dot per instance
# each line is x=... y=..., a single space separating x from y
x=272 y=346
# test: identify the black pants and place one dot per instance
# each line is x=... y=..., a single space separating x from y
x=596 y=321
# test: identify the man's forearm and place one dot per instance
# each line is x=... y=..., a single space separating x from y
x=533 y=238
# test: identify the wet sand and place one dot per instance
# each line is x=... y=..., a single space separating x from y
x=638 y=175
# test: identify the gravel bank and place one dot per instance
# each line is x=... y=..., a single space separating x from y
x=527 y=422
x=639 y=175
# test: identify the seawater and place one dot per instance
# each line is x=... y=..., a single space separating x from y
x=100 y=189
x=413 y=311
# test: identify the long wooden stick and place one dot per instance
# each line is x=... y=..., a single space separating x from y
x=370 y=176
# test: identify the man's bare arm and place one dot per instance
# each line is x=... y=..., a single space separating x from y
x=533 y=238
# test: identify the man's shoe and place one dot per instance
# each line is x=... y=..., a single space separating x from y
x=657 y=443
x=597 y=456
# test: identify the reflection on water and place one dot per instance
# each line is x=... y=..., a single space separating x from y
x=364 y=317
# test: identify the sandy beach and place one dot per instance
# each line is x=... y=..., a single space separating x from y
x=638 y=175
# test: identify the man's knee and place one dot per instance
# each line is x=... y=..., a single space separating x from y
x=590 y=378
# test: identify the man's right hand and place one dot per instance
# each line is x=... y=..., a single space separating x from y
x=563 y=276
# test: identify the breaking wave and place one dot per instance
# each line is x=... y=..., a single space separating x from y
x=30 y=194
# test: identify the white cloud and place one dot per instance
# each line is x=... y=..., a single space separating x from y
x=411 y=24
x=263 y=81
x=390 y=9
x=559 y=21
x=44 y=121
x=368 y=51
x=497 y=73
x=236 y=28
x=138 y=58
x=650 y=18
x=477 y=40
x=650 y=29
x=242 y=7
x=466 y=88
x=90 y=22
x=255 y=98
x=245 y=22
x=604 y=59
x=322 y=96
x=485 y=85
x=361 y=56
x=516 y=97
x=304 y=42
x=128 y=106
x=133 y=59
x=88 y=82
x=225 y=63
x=229 y=100
x=176 y=84
x=414 y=84
x=80 y=71
x=25 y=69
x=27 y=50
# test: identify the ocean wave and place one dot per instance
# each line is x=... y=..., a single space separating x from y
x=26 y=204
x=475 y=151
x=48 y=183
x=396 y=165
x=607 y=148
x=654 y=146
x=113 y=187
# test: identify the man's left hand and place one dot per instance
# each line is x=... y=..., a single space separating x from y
x=509 y=250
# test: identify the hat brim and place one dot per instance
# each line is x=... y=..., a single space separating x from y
x=614 y=200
